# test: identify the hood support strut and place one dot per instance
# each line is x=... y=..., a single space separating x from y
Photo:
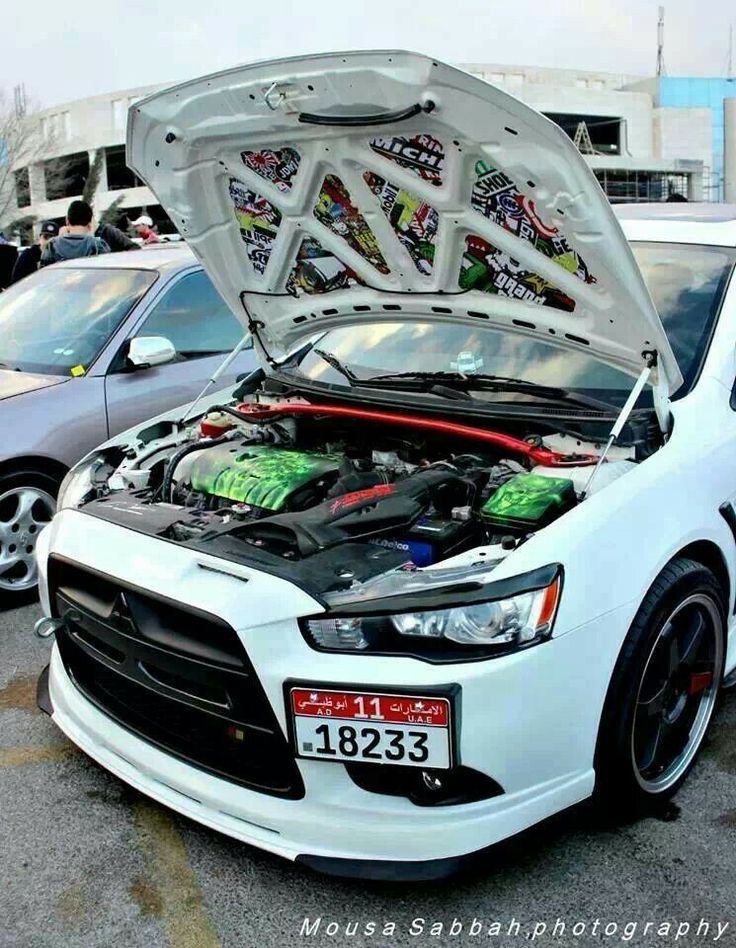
x=623 y=416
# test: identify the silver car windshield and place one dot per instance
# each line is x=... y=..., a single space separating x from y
x=58 y=320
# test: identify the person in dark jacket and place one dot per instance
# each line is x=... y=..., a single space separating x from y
x=8 y=255
x=28 y=261
x=77 y=239
x=115 y=239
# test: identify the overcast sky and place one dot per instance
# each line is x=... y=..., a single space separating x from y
x=66 y=49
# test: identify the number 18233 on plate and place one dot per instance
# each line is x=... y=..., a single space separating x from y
x=409 y=730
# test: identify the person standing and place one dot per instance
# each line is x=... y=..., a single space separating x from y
x=30 y=258
x=144 y=228
x=8 y=256
x=77 y=239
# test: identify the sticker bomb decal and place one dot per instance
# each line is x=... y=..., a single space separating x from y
x=317 y=270
x=486 y=268
x=422 y=154
x=335 y=210
x=496 y=197
x=258 y=220
x=277 y=166
x=414 y=221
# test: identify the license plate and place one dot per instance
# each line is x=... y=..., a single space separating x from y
x=410 y=730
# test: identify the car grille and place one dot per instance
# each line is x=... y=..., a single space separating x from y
x=176 y=677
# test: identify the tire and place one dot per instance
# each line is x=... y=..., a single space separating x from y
x=662 y=692
x=27 y=503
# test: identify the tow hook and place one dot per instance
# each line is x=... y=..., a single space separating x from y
x=47 y=626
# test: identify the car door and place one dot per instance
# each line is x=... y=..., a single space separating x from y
x=194 y=318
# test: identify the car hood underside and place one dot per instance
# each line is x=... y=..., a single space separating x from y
x=372 y=186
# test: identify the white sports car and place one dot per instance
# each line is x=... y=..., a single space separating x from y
x=370 y=612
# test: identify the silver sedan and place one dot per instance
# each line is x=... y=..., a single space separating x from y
x=88 y=348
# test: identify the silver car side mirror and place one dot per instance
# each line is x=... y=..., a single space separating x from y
x=146 y=351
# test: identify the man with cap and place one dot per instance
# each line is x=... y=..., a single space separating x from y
x=144 y=228
x=29 y=260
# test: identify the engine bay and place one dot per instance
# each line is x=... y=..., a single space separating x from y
x=348 y=492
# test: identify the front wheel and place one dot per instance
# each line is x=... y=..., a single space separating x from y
x=27 y=504
x=663 y=690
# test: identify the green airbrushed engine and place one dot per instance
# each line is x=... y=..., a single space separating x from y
x=262 y=476
x=528 y=502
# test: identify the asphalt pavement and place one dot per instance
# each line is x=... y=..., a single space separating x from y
x=86 y=861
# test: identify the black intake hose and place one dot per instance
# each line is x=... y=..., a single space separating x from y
x=182 y=453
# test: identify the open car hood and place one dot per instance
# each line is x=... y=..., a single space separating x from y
x=341 y=188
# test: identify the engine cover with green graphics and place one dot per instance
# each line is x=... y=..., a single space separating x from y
x=269 y=477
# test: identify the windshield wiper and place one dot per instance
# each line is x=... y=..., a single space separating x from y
x=13 y=368
x=487 y=383
x=337 y=365
x=421 y=383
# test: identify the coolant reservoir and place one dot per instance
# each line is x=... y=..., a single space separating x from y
x=608 y=472
x=214 y=424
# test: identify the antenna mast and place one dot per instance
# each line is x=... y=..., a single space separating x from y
x=661 y=71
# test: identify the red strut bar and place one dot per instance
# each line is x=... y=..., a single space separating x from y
x=537 y=454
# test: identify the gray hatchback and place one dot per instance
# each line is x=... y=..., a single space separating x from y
x=88 y=348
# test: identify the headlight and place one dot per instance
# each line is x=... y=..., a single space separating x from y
x=478 y=628
x=81 y=481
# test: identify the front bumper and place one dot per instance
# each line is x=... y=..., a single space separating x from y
x=529 y=721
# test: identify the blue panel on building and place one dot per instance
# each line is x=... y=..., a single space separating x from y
x=700 y=93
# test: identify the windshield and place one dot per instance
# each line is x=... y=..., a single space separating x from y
x=686 y=282
x=58 y=320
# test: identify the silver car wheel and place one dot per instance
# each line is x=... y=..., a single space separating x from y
x=24 y=512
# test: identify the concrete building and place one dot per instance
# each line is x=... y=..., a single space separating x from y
x=74 y=133
x=689 y=111
x=639 y=149
x=642 y=139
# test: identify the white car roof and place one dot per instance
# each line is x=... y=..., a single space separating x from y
x=679 y=222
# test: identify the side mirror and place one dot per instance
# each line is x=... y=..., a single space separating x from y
x=146 y=351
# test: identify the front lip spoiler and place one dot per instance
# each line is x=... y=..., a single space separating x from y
x=43 y=694
x=385 y=870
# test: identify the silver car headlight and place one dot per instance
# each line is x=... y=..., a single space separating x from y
x=519 y=615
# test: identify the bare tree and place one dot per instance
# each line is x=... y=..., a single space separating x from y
x=22 y=144
x=113 y=213
x=93 y=178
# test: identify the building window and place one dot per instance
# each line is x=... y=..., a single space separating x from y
x=56 y=127
x=641 y=186
x=119 y=176
x=65 y=176
x=604 y=131
x=22 y=188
